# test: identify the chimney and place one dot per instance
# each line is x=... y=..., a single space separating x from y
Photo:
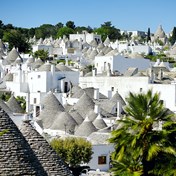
x=62 y=85
x=97 y=109
x=96 y=94
x=118 y=110
x=94 y=72
x=53 y=76
x=152 y=76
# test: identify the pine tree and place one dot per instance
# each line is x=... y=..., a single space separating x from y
x=148 y=35
x=173 y=37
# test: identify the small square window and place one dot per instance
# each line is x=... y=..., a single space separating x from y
x=102 y=160
x=38 y=76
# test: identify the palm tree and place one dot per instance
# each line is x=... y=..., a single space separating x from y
x=143 y=137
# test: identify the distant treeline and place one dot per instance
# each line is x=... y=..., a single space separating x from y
x=58 y=30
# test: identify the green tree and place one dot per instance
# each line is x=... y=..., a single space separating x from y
x=17 y=40
x=59 y=25
x=70 y=24
x=42 y=54
x=144 y=140
x=1 y=24
x=31 y=32
x=64 y=31
x=21 y=100
x=172 y=39
x=74 y=151
x=107 y=29
x=45 y=30
x=5 y=96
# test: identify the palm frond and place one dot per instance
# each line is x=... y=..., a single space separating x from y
x=153 y=151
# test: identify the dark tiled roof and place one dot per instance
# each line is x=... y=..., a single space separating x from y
x=16 y=156
x=50 y=161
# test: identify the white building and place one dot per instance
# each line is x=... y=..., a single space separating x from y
x=85 y=37
x=119 y=63
x=134 y=33
x=102 y=150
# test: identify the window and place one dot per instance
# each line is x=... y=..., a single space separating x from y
x=38 y=76
x=102 y=160
x=35 y=100
x=112 y=88
x=140 y=89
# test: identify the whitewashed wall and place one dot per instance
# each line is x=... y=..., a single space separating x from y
x=120 y=63
x=101 y=150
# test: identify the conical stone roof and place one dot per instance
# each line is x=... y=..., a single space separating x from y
x=50 y=161
x=12 y=55
x=92 y=115
x=8 y=77
x=107 y=50
x=100 y=46
x=86 y=128
x=14 y=105
x=99 y=122
x=117 y=97
x=16 y=156
x=93 y=54
x=51 y=106
x=65 y=122
x=100 y=53
x=94 y=43
x=107 y=41
x=77 y=117
x=159 y=32
x=84 y=105
x=37 y=63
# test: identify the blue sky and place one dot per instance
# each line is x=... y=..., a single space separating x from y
x=123 y=14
